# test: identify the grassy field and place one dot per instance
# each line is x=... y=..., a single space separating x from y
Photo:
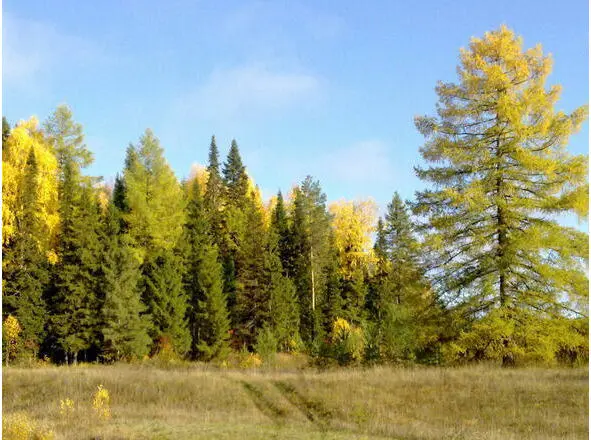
x=194 y=402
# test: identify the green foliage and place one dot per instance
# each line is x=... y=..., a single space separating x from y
x=166 y=300
x=267 y=345
x=283 y=307
x=399 y=334
x=312 y=249
x=153 y=196
x=348 y=342
x=500 y=176
x=213 y=338
x=74 y=303
x=124 y=324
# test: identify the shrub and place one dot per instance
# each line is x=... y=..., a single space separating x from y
x=20 y=427
x=266 y=345
x=348 y=342
x=100 y=403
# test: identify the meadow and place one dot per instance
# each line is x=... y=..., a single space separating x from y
x=196 y=401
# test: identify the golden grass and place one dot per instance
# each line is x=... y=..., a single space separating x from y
x=197 y=402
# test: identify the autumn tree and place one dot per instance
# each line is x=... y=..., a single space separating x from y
x=155 y=215
x=26 y=274
x=24 y=137
x=353 y=224
x=501 y=176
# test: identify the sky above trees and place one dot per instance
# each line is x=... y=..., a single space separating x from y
x=325 y=89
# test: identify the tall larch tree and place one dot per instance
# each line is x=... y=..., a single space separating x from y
x=353 y=224
x=155 y=218
x=501 y=175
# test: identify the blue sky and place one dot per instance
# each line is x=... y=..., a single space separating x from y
x=327 y=88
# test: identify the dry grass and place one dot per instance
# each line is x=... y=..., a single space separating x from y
x=195 y=402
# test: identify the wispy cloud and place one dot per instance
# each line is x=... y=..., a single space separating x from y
x=248 y=91
x=366 y=161
x=34 y=52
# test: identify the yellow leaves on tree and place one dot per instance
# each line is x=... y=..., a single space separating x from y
x=200 y=173
x=24 y=137
x=12 y=330
x=353 y=224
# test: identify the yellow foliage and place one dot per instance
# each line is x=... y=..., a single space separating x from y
x=200 y=173
x=24 y=137
x=353 y=224
x=66 y=407
x=100 y=403
x=251 y=360
x=20 y=427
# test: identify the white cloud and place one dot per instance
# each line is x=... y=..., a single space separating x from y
x=34 y=51
x=248 y=91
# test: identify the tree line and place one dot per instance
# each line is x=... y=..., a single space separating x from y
x=476 y=267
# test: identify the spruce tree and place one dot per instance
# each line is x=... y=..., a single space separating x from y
x=166 y=300
x=75 y=304
x=235 y=177
x=501 y=174
x=213 y=337
x=280 y=225
x=234 y=229
x=252 y=278
x=203 y=279
x=124 y=324
x=214 y=195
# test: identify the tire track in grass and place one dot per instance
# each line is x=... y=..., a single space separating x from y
x=314 y=411
x=264 y=404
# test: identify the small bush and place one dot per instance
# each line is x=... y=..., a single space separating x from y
x=266 y=345
x=100 y=403
x=20 y=427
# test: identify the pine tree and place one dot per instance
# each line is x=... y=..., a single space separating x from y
x=25 y=275
x=124 y=324
x=501 y=174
